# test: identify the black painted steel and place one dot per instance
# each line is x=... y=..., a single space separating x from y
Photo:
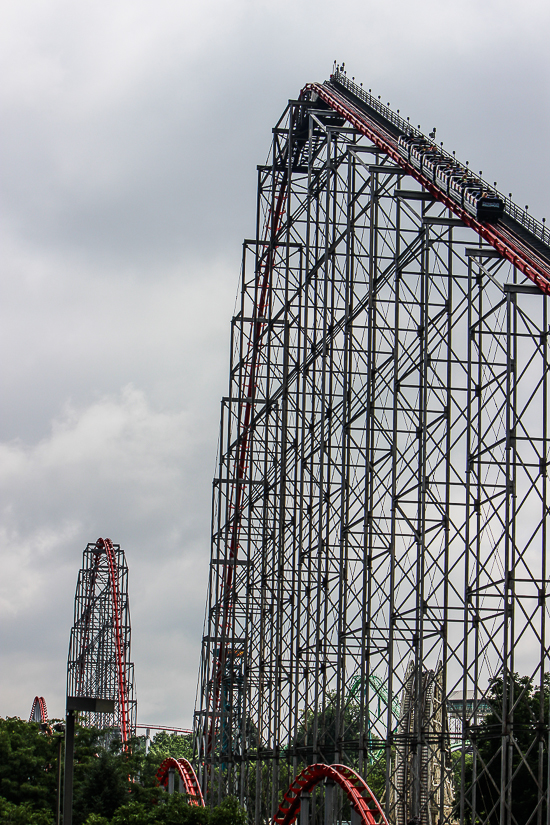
x=378 y=570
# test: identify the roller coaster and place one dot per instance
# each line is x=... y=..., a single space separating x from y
x=39 y=711
x=99 y=665
x=380 y=503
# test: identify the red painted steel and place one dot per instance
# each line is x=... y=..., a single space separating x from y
x=40 y=704
x=185 y=771
x=107 y=546
x=362 y=799
x=249 y=394
x=500 y=238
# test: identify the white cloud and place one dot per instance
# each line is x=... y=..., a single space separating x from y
x=131 y=134
x=122 y=470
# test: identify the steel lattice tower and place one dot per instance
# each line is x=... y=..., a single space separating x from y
x=99 y=663
x=380 y=510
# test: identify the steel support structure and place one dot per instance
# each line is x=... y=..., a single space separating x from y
x=380 y=507
x=99 y=663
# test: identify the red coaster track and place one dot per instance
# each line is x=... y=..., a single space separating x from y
x=107 y=546
x=362 y=799
x=185 y=771
x=518 y=248
x=39 y=711
x=249 y=393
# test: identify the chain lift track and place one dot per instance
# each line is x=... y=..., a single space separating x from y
x=380 y=506
x=99 y=652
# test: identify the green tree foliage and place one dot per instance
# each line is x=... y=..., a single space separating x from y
x=170 y=744
x=102 y=786
x=112 y=785
x=28 y=764
x=175 y=810
x=12 y=814
x=528 y=765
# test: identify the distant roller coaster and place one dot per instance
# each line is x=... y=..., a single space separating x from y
x=381 y=503
x=39 y=711
x=99 y=663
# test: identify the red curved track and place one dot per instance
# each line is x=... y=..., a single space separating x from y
x=185 y=771
x=362 y=800
x=39 y=711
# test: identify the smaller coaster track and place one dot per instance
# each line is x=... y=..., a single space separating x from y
x=99 y=651
x=363 y=802
x=185 y=771
x=39 y=711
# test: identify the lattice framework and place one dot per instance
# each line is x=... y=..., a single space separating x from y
x=381 y=497
x=99 y=663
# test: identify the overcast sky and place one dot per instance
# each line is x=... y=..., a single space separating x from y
x=131 y=130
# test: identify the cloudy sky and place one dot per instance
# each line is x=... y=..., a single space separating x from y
x=131 y=130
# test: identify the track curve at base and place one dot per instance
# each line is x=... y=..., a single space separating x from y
x=185 y=771
x=356 y=789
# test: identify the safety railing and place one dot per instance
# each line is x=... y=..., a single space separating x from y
x=521 y=216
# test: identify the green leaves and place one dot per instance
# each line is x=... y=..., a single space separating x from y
x=111 y=786
x=12 y=814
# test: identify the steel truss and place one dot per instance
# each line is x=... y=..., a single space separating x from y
x=99 y=663
x=380 y=510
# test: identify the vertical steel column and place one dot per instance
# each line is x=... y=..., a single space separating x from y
x=304 y=807
x=69 y=768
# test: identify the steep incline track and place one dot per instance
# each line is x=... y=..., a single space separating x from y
x=512 y=240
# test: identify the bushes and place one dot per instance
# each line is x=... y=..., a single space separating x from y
x=12 y=814
x=111 y=786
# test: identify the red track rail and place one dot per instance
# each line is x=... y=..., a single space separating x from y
x=40 y=703
x=107 y=546
x=241 y=462
x=506 y=244
x=185 y=771
x=362 y=799
x=90 y=591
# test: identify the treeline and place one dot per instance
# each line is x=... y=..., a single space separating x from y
x=111 y=786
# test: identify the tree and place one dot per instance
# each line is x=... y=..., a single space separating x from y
x=524 y=760
x=113 y=785
x=171 y=744
x=102 y=786
x=11 y=814
x=28 y=764
x=175 y=810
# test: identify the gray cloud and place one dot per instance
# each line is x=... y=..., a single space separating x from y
x=131 y=136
